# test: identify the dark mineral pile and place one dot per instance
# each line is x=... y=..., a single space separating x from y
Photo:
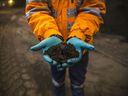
x=62 y=52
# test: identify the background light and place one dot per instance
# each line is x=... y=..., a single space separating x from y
x=11 y=2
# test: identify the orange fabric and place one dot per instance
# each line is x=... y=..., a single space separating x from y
x=43 y=25
x=88 y=24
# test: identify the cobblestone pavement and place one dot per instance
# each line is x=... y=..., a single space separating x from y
x=23 y=73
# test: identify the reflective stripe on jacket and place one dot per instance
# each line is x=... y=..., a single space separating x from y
x=68 y=18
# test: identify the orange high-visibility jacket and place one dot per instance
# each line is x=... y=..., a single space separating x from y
x=67 y=18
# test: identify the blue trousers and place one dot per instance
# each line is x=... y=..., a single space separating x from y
x=77 y=77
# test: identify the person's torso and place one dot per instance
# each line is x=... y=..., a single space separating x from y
x=65 y=12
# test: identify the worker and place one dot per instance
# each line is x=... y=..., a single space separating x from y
x=73 y=22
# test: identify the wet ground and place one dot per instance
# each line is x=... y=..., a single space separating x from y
x=23 y=73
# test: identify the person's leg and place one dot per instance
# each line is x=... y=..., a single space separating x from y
x=77 y=76
x=58 y=78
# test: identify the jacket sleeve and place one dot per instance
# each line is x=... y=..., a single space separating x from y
x=42 y=24
x=88 y=20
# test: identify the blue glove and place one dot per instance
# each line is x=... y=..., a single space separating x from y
x=45 y=45
x=79 y=46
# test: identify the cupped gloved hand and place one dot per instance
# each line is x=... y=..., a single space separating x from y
x=79 y=46
x=45 y=45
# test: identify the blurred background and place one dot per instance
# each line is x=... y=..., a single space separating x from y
x=23 y=73
x=12 y=3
